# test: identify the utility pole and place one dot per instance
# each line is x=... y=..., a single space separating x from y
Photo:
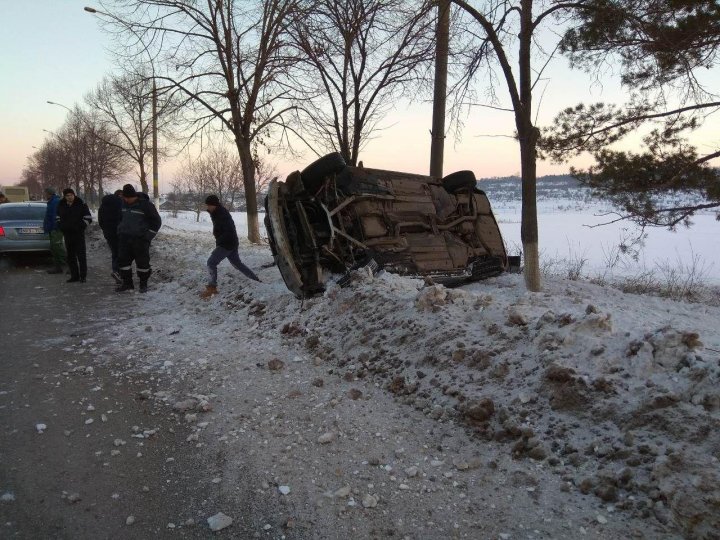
x=156 y=195
x=437 y=134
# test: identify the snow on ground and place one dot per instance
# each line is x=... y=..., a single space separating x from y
x=394 y=408
x=569 y=233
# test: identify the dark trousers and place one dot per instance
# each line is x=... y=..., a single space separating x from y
x=76 y=257
x=56 y=248
x=114 y=243
x=134 y=249
x=217 y=256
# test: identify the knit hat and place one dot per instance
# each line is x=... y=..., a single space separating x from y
x=50 y=190
x=212 y=200
x=68 y=190
x=129 y=191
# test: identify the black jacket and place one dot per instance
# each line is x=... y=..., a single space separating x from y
x=73 y=218
x=224 y=228
x=139 y=220
x=110 y=213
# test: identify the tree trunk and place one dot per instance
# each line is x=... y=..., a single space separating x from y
x=528 y=136
x=143 y=179
x=248 y=170
x=529 y=225
x=101 y=188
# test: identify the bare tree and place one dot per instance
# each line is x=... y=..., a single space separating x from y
x=106 y=159
x=123 y=104
x=82 y=153
x=359 y=58
x=659 y=43
x=265 y=172
x=71 y=137
x=215 y=171
x=230 y=59
x=32 y=180
x=507 y=30
x=50 y=165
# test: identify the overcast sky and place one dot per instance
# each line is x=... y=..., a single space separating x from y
x=53 y=50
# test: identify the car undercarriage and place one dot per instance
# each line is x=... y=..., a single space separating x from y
x=333 y=218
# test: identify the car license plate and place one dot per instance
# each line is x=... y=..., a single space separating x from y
x=31 y=230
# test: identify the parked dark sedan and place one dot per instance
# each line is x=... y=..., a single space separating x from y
x=21 y=227
x=332 y=218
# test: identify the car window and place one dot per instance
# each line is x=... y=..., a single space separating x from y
x=22 y=212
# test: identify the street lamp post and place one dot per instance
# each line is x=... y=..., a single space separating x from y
x=156 y=192
x=60 y=105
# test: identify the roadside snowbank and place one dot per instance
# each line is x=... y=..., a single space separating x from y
x=473 y=412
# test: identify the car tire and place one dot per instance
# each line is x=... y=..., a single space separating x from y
x=458 y=181
x=314 y=174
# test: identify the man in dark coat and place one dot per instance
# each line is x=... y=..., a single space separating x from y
x=139 y=224
x=50 y=226
x=73 y=217
x=109 y=215
x=226 y=240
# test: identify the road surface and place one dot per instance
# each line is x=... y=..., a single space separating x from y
x=89 y=470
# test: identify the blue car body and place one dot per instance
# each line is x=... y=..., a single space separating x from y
x=21 y=227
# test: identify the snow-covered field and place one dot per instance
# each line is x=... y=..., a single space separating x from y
x=394 y=408
x=572 y=242
x=569 y=233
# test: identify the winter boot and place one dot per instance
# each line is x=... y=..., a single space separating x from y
x=210 y=290
x=117 y=278
x=56 y=270
x=127 y=281
x=143 y=277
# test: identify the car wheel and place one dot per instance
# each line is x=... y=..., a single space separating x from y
x=458 y=181
x=314 y=174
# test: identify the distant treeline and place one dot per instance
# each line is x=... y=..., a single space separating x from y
x=557 y=179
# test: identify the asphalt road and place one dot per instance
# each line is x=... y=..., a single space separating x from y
x=72 y=481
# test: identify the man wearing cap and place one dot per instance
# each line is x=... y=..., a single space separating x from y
x=50 y=227
x=139 y=224
x=227 y=243
x=73 y=217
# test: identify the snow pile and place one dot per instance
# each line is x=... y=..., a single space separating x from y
x=617 y=394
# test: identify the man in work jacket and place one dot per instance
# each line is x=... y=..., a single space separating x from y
x=139 y=224
x=73 y=217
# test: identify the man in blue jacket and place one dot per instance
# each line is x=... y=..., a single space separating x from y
x=139 y=224
x=227 y=243
x=50 y=226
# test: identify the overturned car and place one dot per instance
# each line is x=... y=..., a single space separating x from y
x=333 y=218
